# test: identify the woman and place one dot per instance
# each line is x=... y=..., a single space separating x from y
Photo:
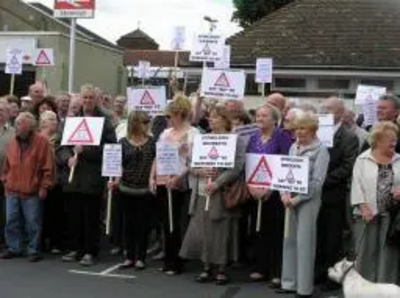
x=53 y=206
x=270 y=139
x=302 y=210
x=208 y=235
x=375 y=186
x=47 y=104
x=138 y=153
x=180 y=132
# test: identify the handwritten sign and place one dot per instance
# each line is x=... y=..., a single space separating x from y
x=167 y=159
x=264 y=69
x=112 y=161
x=326 y=130
x=207 y=47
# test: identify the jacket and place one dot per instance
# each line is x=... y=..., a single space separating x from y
x=87 y=177
x=26 y=171
x=364 y=184
x=318 y=165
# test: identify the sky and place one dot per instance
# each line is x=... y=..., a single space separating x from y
x=158 y=18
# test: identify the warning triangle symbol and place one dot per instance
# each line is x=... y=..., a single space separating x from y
x=206 y=50
x=14 y=60
x=81 y=134
x=290 y=177
x=222 y=81
x=147 y=99
x=43 y=59
x=262 y=174
x=213 y=154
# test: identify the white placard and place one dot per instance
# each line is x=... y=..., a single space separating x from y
x=264 y=70
x=179 y=39
x=326 y=130
x=150 y=100
x=370 y=114
x=277 y=172
x=143 y=70
x=214 y=151
x=14 y=61
x=168 y=161
x=112 y=160
x=367 y=94
x=207 y=48
x=223 y=84
x=44 y=57
x=84 y=131
x=225 y=61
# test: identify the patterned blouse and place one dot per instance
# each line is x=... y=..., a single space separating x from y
x=384 y=189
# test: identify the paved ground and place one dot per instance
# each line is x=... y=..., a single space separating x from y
x=52 y=279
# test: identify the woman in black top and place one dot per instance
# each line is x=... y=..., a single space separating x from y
x=138 y=153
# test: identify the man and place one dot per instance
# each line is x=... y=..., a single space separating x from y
x=36 y=93
x=27 y=176
x=277 y=100
x=332 y=216
x=26 y=104
x=75 y=106
x=349 y=121
x=63 y=100
x=119 y=109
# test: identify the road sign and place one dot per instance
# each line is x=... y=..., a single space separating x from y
x=74 y=9
x=14 y=61
x=44 y=57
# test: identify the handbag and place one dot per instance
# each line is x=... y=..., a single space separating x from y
x=235 y=194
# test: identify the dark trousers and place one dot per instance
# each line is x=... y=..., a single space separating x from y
x=268 y=243
x=331 y=222
x=54 y=219
x=173 y=241
x=84 y=223
x=136 y=211
x=117 y=220
x=2 y=212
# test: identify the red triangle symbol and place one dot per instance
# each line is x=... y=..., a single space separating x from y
x=262 y=174
x=43 y=59
x=147 y=99
x=206 y=50
x=213 y=153
x=222 y=81
x=290 y=177
x=81 y=134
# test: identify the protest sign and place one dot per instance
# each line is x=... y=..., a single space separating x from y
x=207 y=48
x=264 y=70
x=84 y=131
x=326 y=130
x=167 y=159
x=223 y=84
x=150 y=100
x=112 y=160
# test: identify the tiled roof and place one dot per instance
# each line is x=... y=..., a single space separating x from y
x=137 y=39
x=155 y=57
x=351 y=33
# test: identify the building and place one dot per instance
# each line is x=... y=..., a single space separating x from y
x=32 y=25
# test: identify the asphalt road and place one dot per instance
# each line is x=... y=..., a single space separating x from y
x=53 y=279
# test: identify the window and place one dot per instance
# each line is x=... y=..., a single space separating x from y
x=376 y=82
x=333 y=84
x=293 y=83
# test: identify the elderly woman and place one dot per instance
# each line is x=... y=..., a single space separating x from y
x=208 y=235
x=302 y=210
x=375 y=187
x=270 y=139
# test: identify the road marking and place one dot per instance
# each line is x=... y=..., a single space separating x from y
x=101 y=274
x=111 y=269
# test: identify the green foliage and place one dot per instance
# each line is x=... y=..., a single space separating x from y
x=250 y=11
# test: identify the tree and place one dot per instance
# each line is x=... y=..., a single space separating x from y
x=250 y=11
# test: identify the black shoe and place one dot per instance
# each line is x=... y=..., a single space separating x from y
x=303 y=296
x=34 y=258
x=330 y=286
x=8 y=255
x=284 y=291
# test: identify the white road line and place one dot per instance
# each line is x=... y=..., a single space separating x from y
x=109 y=270
x=102 y=275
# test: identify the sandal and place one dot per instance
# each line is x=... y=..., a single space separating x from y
x=221 y=279
x=205 y=276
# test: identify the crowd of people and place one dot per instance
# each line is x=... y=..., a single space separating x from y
x=354 y=188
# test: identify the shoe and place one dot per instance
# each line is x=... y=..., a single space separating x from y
x=221 y=279
x=158 y=257
x=205 y=276
x=284 y=291
x=126 y=265
x=140 y=265
x=55 y=251
x=87 y=260
x=275 y=284
x=34 y=258
x=70 y=257
x=330 y=286
x=8 y=255
x=257 y=277
x=115 y=251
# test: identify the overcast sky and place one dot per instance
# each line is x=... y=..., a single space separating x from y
x=157 y=18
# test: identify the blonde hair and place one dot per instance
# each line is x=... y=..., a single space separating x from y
x=45 y=116
x=308 y=119
x=223 y=113
x=137 y=123
x=181 y=106
x=273 y=111
x=379 y=130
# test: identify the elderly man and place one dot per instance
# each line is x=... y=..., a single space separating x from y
x=75 y=105
x=349 y=121
x=277 y=100
x=36 y=93
x=27 y=176
x=332 y=217
x=63 y=100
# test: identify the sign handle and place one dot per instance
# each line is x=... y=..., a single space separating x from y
x=287 y=221
x=176 y=63
x=170 y=212
x=259 y=209
x=72 y=171
x=71 y=74
x=12 y=84
x=207 y=207
x=263 y=90
x=109 y=202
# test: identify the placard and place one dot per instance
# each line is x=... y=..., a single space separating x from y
x=167 y=159
x=179 y=39
x=223 y=84
x=214 y=151
x=150 y=100
x=207 y=48
x=143 y=70
x=264 y=70
x=14 y=61
x=367 y=94
x=278 y=172
x=83 y=131
x=225 y=61
x=112 y=160
x=326 y=130
x=44 y=57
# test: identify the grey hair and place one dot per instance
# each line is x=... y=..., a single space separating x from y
x=274 y=112
x=47 y=115
x=393 y=98
x=28 y=116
